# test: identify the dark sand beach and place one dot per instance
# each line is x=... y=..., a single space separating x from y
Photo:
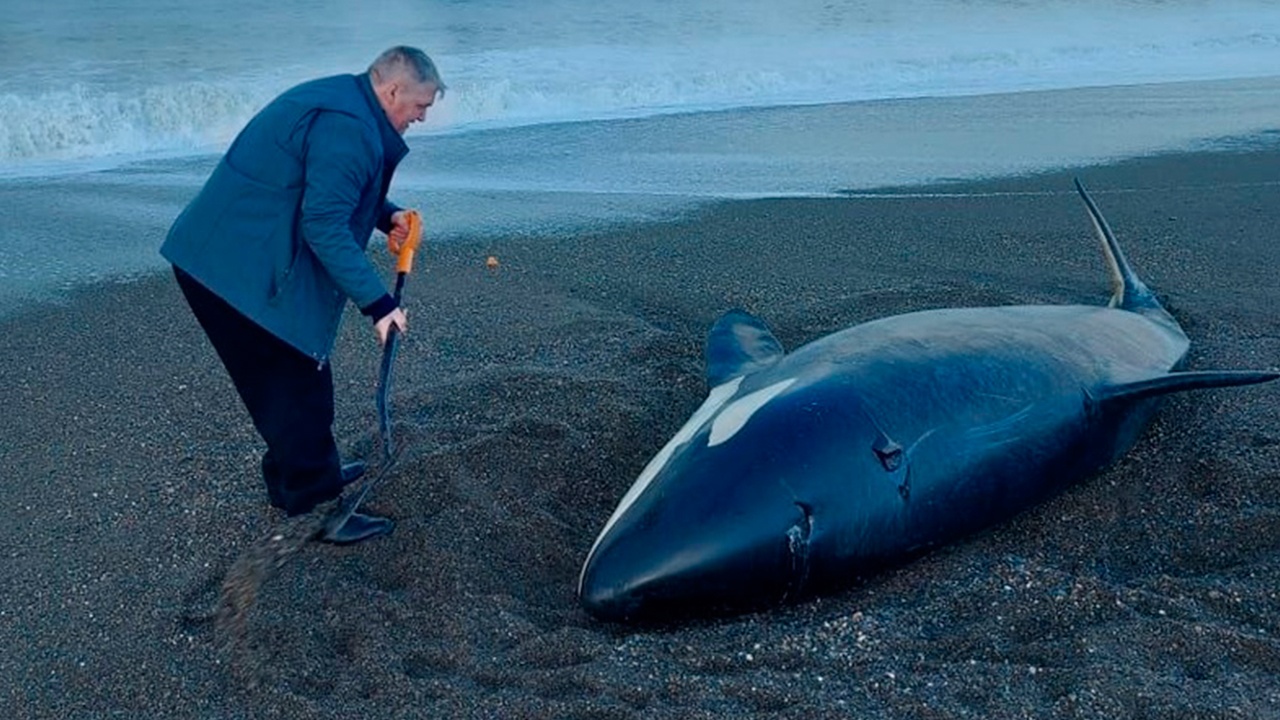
x=526 y=401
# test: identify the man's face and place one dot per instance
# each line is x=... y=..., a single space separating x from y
x=407 y=102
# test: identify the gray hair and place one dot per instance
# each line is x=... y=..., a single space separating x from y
x=405 y=59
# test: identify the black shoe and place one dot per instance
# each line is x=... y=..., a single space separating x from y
x=352 y=471
x=355 y=528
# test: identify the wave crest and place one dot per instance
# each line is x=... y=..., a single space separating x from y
x=81 y=122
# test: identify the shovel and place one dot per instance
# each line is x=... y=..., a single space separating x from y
x=404 y=264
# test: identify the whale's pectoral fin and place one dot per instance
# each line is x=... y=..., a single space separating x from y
x=1180 y=381
x=739 y=343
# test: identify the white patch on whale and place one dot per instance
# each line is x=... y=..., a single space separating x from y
x=735 y=416
x=718 y=396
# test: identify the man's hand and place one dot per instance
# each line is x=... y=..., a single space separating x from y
x=399 y=231
x=383 y=326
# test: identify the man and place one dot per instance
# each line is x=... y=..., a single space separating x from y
x=273 y=246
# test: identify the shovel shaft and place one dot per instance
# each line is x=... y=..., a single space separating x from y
x=384 y=389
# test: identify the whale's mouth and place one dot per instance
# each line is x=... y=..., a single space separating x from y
x=798 y=536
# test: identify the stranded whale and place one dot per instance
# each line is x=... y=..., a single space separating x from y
x=803 y=471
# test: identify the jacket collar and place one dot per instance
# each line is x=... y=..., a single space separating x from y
x=393 y=145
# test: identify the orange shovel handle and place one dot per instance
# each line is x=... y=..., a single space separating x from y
x=405 y=262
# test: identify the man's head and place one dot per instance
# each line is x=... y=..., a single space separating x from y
x=406 y=83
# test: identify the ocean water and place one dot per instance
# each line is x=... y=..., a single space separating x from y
x=582 y=111
x=85 y=83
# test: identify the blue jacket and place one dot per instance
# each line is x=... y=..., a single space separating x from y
x=280 y=229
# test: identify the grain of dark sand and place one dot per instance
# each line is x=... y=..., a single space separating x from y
x=528 y=398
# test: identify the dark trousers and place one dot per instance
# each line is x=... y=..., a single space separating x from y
x=288 y=394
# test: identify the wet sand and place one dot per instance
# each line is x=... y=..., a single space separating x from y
x=526 y=400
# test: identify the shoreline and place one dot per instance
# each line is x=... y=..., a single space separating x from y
x=1236 y=161
x=580 y=179
x=528 y=399
x=194 y=164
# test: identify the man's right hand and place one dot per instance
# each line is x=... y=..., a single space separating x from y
x=399 y=231
x=383 y=326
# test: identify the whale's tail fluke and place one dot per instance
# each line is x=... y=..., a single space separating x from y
x=1128 y=292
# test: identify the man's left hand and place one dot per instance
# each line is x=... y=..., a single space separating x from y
x=396 y=318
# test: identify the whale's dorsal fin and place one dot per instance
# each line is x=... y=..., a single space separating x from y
x=1180 y=381
x=739 y=343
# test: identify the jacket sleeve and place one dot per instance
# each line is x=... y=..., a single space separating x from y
x=384 y=217
x=339 y=165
